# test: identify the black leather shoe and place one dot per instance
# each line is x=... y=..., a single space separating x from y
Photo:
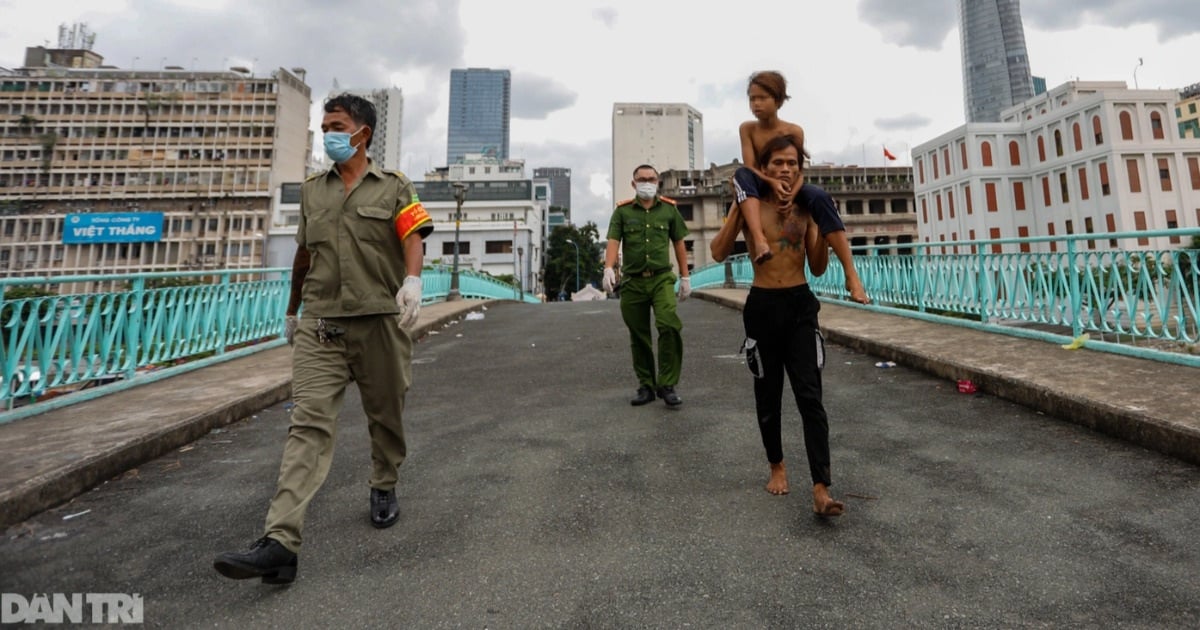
x=385 y=511
x=644 y=395
x=667 y=393
x=267 y=559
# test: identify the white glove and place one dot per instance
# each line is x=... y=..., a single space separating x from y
x=610 y=279
x=289 y=328
x=409 y=301
x=685 y=288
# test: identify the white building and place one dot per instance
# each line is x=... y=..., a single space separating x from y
x=503 y=214
x=664 y=135
x=389 y=114
x=1085 y=157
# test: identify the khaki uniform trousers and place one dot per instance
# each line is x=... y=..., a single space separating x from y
x=375 y=353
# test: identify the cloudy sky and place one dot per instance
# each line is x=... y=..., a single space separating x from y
x=863 y=73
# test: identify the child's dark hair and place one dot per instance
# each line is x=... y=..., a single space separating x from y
x=772 y=82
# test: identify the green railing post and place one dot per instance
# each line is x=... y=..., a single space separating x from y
x=1076 y=297
x=133 y=326
x=919 y=264
x=983 y=289
x=223 y=313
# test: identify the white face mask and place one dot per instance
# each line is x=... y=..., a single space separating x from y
x=646 y=190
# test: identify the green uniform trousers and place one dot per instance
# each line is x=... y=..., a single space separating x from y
x=375 y=353
x=638 y=296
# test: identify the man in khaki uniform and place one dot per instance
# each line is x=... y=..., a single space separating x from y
x=358 y=273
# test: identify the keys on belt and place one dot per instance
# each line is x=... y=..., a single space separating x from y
x=326 y=332
x=650 y=274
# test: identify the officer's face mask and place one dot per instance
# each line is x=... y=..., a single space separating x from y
x=646 y=190
x=338 y=147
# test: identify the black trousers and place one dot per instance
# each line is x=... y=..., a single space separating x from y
x=783 y=324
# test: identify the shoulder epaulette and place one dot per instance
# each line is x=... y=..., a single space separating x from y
x=668 y=200
x=316 y=175
x=625 y=203
x=399 y=174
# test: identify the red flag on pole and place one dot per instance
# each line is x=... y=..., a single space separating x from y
x=888 y=154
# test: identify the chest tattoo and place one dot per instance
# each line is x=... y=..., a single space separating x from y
x=791 y=234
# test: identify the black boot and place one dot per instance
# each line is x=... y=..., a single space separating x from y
x=667 y=393
x=267 y=559
x=385 y=511
x=644 y=395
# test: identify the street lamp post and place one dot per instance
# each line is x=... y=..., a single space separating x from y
x=520 y=271
x=576 y=264
x=460 y=193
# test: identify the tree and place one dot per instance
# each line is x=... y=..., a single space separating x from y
x=560 y=258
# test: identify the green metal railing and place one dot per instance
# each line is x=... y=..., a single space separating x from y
x=1137 y=302
x=55 y=348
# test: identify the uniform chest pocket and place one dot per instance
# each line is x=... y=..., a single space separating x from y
x=320 y=226
x=372 y=223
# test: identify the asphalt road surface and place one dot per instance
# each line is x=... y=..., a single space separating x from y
x=535 y=496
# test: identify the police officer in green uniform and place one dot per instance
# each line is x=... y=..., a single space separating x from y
x=645 y=230
x=358 y=273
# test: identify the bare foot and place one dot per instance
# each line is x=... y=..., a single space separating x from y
x=778 y=483
x=762 y=251
x=857 y=293
x=825 y=505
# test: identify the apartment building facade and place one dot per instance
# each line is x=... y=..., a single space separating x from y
x=1086 y=157
x=664 y=135
x=389 y=121
x=191 y=159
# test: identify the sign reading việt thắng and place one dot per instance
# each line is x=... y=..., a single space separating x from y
x=113 y=227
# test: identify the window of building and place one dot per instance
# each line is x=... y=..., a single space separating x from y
x=985 y=153
x=289 y=193
x=877 y=206
x=1050 y=232
x=994 y=234
x=899 y=206
x=935 y=166
x=1070 y=227
x=1058 y=144
x=904 y=239
x=1041 y=144
x=1083 y=187
x=1164 y=174
x=1105 y=189
x=950 y=204
x=1139 y=224
x=924 y=211
x=493 y=247
x=1023 y=232
x=946 y=157
x=967 y=195
x=1077 y=132
x=1062 y=187
x=685 y=211
x=1110 y=222
x=962 y=149
x=1014 y=153
x=1019 y=195
x=1046 y=191
x=464 y=247
x=858 y=245
x=990 y=192
x=1135 y=182
x=854 y=206
x=1126 y=126
x=1172 y=223
x=937 y=201
x=1194 y=172
x=1156 y=125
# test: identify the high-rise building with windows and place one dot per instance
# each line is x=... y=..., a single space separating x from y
x=664 y=135
x=389 y=116
x=172 y=169
x=995 y=64
x=480 y=100
x=560 y=184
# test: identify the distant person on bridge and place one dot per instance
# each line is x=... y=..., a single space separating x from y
x=358 y=273
x=767 y=92
x=646 y=229
x=780 y=318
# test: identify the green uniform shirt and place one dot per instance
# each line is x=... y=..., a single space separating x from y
x=357 y=256
x=646 y=234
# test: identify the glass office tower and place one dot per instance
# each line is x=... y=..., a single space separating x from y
x=995 y=65
x=479 y=113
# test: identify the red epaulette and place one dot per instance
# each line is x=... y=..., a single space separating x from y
x=668 y=200
x=625 y=202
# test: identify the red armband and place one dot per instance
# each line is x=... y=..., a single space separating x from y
x=413 y=217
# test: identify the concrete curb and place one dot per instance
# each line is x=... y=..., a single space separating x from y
x=1146 y=430
x=38 y=494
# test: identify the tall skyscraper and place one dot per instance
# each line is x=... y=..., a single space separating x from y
x=389 y=114
x=995 y=65
x=560 y=184
x=480 y=101
x=664 y=135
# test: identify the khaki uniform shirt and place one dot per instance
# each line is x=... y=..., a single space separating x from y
x=355 y=241
x=646 y=234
